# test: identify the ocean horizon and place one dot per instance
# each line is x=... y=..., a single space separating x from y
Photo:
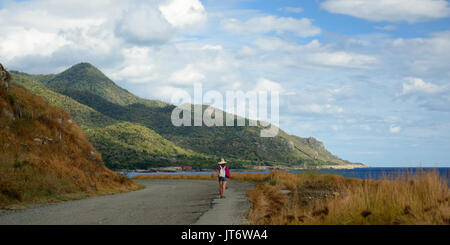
x=361 y=173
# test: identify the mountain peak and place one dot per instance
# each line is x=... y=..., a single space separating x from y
x=84 y=80
x=83 y=65
x=85 y=71
x=87 y=64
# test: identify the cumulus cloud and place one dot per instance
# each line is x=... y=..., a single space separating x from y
x=184 y=13
x=22 y=42
x=414 y=85
x=134 y=67
x=37 y=29
x=34 y=30
x=159 y=22
x=144 y=24
x=424 y=55
x=428 y=95
x=342 y=59
x=315 y=53
x=165 y=92
x=390 y=10
x=394 y=129
x=265 y=24
x=186 y=76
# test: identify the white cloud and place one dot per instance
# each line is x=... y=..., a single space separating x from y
x=136 y=73
x=314 y=53
x=247 y=51
x=136 y=67
x=301 y=27
x=394 y=129
x=144 y=24
x=291 y=10
x=390 y=10
x=421 y=56
x=417 y=85
x=184 y=13
x=50 y=27
x=22 y=42
x=37 y=28
x=428 y=95
x=186 y=76
x=165 y=93
x=212 y=47
x=342 y=59
x=319 y=108
x=264 y=84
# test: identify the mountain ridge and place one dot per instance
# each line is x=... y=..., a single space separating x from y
x=242 y=144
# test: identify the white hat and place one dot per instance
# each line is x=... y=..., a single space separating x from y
x=222 y=161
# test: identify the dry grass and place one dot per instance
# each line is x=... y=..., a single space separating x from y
x=44 y=156
x=318 y=199
x=326 y=199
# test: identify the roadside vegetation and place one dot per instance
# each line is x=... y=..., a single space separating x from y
x=46 y=157
x=281 y=198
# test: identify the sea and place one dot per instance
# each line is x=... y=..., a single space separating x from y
x=361 y=173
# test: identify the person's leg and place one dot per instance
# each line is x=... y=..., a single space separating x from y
x=220 y=188
x=224 y=187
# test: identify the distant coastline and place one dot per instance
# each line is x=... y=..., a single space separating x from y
x=343 y=166
x=249 y=168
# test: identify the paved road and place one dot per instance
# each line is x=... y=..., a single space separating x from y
x=162 y=202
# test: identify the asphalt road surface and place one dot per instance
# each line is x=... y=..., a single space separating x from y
x=162 y=202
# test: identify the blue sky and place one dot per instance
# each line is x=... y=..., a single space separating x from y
x=371 y=79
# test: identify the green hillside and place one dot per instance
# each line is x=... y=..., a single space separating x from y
x=87 y=78
x=86 y=87
x=122 y=144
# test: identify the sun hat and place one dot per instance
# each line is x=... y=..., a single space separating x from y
x=222 y=161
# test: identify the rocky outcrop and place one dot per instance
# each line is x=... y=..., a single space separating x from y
x=5 y=78
x=315 y=144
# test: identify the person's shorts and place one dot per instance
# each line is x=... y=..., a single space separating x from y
x=222 y=178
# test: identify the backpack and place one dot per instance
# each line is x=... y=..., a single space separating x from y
x=222 y=172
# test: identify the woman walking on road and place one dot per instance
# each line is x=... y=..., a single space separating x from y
x=224 y=174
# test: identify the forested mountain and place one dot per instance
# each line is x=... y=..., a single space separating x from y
x=133 y=132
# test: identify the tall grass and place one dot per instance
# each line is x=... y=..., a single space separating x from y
x=318 y=199
x=327 y=199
